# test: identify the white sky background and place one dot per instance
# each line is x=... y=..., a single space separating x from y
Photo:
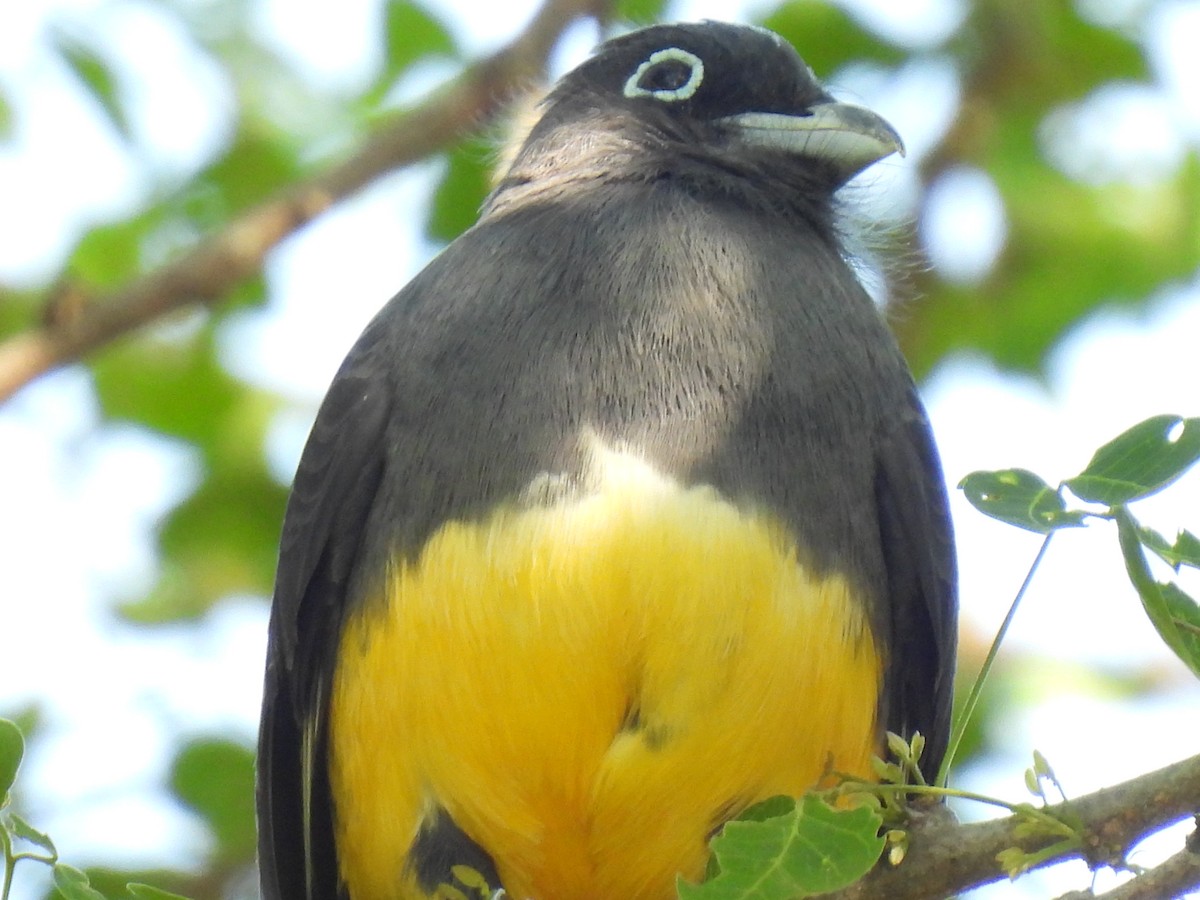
x=79 y=498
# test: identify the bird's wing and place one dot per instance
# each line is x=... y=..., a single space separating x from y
x=918 y=548
x=333 y=494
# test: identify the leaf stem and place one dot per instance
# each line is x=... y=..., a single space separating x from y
x=9 y=862
x=1055 y=825
x=968 y=709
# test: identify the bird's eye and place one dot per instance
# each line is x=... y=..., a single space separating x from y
x=669 y=75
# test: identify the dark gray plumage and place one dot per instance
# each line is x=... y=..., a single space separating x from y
x=665 y=275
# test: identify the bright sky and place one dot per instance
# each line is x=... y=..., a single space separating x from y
x=72 y=483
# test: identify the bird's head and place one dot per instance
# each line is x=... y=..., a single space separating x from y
x=736 y=97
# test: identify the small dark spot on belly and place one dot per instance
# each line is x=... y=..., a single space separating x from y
x=440 y=845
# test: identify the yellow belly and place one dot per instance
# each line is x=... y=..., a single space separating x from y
x=588 y=688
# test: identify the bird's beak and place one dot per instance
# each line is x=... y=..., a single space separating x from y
x=847 y=137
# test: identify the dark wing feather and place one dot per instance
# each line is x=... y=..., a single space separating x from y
x=334 y=491
x=918 y=549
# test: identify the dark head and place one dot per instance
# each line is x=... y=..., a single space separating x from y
x=732 y=97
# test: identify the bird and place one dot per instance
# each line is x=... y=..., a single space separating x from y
x=623 y=515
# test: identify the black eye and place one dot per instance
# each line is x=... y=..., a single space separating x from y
x=669 y=75
x=666 y=76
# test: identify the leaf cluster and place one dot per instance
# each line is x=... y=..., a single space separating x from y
x=1136 y=464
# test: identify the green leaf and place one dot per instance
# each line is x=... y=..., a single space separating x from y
x=174 y=386
x=410 y=32
x=111 y=254
x=1065 y=252
x=790 y=850
x=1019 y=497
x=73 y=884
x=461 y=193
x=219 y=541
x=828 y=37
x=215 y=777
x=6 y=119
x=115 y=882
x=260 y=163
x=12 y=748
x=1142 y=460
x=1028 y=57
x=771 y=808
x=93 y=70
x=1185 y=551
x=28 y=833
x=148 y=892
x=640 y=12
x=18 y=309
x=1173 y=613
x=1185 y=613
x=1076 y=54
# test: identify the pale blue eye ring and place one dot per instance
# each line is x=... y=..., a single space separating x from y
x=633 y=87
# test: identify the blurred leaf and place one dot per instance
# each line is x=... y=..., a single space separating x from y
x=996 y=697
x=1174 y=614
x=215 y=777
x=12 y=748
x=251 y=292
x=260 y=163
x=176 y=386
x=17 y=309
x=1086 y=54
x=28 y=833
x=73 y=884
x=410 y=32
x=6 y=118
x=461 y=193
x=97 y=76
x=640 y=12
x=1140 y=461
x=1184 y=551
x=1185 y=613
x=828 y=37
x=110 y=255
x=220 y=541
x=787 y=849
x=1070 y=248
x=116 y=883
x=1019 y=497
x=29 y=719
x=1039 y=53
x=147 y=892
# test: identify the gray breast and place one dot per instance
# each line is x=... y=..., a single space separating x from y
x=727 y=349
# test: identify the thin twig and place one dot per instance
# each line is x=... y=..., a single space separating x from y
x=218 y=263
x=945 y=857
x=1172 y=878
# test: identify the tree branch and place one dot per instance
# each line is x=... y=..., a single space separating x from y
x=217 y=264
x=1171 y=878
x=945 y=857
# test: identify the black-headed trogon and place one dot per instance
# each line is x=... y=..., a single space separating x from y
x=621 y=516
